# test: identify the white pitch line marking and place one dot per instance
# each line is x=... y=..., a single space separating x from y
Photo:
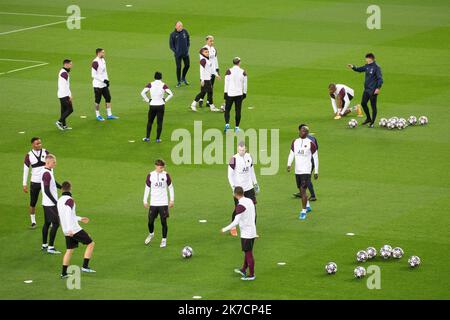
x=21 y=132
x=131 y=141
x=25 y=68
x=281 y=263
x=83 y=117
x=197 y=297
x=33 y=14
x=28 y=281
x=350 y=234
x=39 y=26
x=202 y=221
x=128 y=5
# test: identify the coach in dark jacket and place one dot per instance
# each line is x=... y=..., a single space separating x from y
x=179 y=43
x=372 y=86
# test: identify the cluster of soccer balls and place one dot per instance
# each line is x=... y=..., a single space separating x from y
x=402 y=123
x=386 y=252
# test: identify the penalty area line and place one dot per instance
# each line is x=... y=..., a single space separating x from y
x=38 y=26
x=38 y=64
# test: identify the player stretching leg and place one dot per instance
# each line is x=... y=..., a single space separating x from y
x=241 y=173
x=245 y=218
x=303 y=149
x=100 y=82
x=157 y=184
x=72 y=230
x=343 y=95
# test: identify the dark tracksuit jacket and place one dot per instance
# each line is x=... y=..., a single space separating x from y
x=179 y=43
x=374 y=78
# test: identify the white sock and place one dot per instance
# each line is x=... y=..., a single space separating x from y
x=33 y=218
x=51 y=247
x=108 y=111
x=194 y=103
x=97 y=113
x=307 y=204
x=212 y=106
x=151 y=234
x=303 y=210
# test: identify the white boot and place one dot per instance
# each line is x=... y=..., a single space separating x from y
x=149 y=238
x=194 y=106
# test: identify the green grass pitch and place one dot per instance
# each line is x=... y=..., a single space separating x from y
x=384 y=186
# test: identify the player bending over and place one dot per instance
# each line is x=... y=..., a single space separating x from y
x=245 y=218
x=73 y=232
x=241 y=173
x=157 y=104
x=341 y=95
x=156 y=185
x=303 y=149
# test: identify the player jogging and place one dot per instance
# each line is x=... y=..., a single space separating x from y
x=49 y=203
x=341 y=95
x=64 y=95
x=235 y=92
x=156 y=185
x=207 y=70
x=34 y=159
x=72 y=231
x=100 y=82
x=241 y=173
x=303 y=149
x=245 y=218
x=157 y=90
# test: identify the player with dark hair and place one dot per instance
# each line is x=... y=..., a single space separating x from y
x=245 y=218
x=64 y=95
x=341 y=95
x=157 y=90
x=235 y=91
x=72 y=231
x=100 y=82
x=34 y=159
x=372 y=85
x=157 y=184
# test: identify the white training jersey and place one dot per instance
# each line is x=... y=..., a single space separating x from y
x=35 y=159
x=157 y=90
x=156 y=186
x=303 y=151
x=206 y=68
x=241 y=172
x=342 y=90
x=48 y=180
x=67 y=215
x=63 y=84
x=213 y=56
x=99 y=73
x=235 y=82
x=245 y=218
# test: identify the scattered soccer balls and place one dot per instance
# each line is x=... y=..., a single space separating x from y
x=359 y=272
x=386 y=251
x=352 y=123
x=371 y=252
x=331 y=268
x=412 y=120
x=187 y=252
x=414 y=261
x=423 y=120
x=362 y=256
x=397 y=253
x=383 y=122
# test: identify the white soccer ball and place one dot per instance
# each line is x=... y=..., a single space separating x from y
x=362 y=256
x=386 y=251
x=352 y=123
x=359 y=272
x=383 y=122
x=393 y=119
x=401 y=125
x=187 y=252
x=371 y=252
x=412 y=120
x=391 y=125
x=331 y=268
x=397 y=252
x=414 y=261
x=423 y=120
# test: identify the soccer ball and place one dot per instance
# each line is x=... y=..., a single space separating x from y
x=331 y=268
x=397 y=253
x=359 y=272
x=401 y=125
x=412 y=120
x=371 y=252
x=353 y=123
x=187 y=252
x=383 y=122
x=394 y=120
x=362 y=256
x=423 y=120
x=391 y=124
x=386 y=251
x=414 y=261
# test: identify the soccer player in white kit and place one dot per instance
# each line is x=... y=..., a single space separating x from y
x=72 y=231
x=303 y=150
x=245 y=218
x=215 y=63
x=157 y=184
x=34 y=159
x=100 y=82
x=341 y=95
x=241 y=173
x=235 y=91
x=64 y=95
x=157 y=102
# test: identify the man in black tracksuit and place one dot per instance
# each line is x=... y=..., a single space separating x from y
x=372 y=86
x=179 y=43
